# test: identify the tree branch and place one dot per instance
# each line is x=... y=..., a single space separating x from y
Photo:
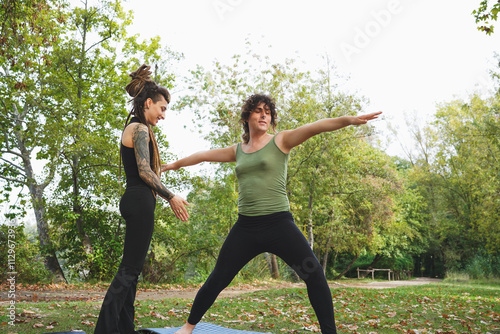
x=14 y=180
x=11 y=163
x=69 y=73
x=25 y=111
x=12 y=152
x=102 y=40
x=99 y=165
x=50 y=177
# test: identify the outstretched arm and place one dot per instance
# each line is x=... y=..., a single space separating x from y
x=227 y=154
x=291 y=138
x=140 y=138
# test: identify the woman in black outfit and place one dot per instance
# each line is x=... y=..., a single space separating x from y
x=141 y=162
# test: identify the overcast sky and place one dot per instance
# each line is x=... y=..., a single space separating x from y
x=403 y=55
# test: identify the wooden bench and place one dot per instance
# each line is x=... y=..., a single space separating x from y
x=389 y=272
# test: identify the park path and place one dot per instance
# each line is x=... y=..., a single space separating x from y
x=65 y=294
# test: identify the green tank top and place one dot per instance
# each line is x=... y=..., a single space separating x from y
x=262 y=180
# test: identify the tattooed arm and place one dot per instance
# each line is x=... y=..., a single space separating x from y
x=140 y=137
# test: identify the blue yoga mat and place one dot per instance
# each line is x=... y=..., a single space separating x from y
x=201 y=328
x=72 y=332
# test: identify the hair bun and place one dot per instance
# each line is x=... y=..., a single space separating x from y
x=139 y=78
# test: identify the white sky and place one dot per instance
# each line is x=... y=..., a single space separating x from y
x=403 y=55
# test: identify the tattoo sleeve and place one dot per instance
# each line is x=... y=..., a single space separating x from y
x=140 y=138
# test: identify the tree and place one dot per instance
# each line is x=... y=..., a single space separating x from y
x=30 y=31
x=457 y=174
x=92 y=65
x=468 y=165
x=333 y=177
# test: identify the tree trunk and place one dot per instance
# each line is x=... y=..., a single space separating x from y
x=77 y=209
x=348 y=267
x=50 y=258
x=148 y=271
x=272 y=264
x=310 y=234
x=36 y=193
x=325 y=256
x=372 y=265
x=377 y=258
x=275 y=273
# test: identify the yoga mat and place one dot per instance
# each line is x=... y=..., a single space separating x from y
x=201 y=328
x=72 y=332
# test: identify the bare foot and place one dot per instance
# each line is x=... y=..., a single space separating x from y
x=186 y=329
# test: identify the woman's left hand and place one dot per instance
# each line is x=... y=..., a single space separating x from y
x=363 y=119
x=165 y=167
x=177 y=204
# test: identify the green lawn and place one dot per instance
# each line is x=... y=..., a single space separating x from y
x=435 y=308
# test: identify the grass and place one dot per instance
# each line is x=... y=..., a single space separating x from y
x=465 y=307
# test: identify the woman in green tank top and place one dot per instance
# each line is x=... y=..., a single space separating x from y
x=264 y=221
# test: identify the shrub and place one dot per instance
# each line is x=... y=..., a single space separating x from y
x=27 y=262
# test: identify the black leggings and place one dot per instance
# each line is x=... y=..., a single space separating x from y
x=117 y=312
x=275 y=233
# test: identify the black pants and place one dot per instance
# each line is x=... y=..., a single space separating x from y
x=117 y=312
x=275 y=233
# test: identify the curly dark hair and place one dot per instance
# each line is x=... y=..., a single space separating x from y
x=249 y=106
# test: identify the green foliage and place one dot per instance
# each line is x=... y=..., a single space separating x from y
x=89 y=81
x=456 y=177
x=485 y=14
x=398 y=264
x=63 y=99
x=483 y=265
x=30 y=30
x=24 y=255
x=408 y=234
x=467 y=162
x=106 y=230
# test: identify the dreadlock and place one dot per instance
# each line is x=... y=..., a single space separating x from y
x=141 y=88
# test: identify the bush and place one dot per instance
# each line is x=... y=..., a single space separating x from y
x=401 y=265
x=105 y=230
x=25 y=255
x=456 y=276
x=483 y=265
